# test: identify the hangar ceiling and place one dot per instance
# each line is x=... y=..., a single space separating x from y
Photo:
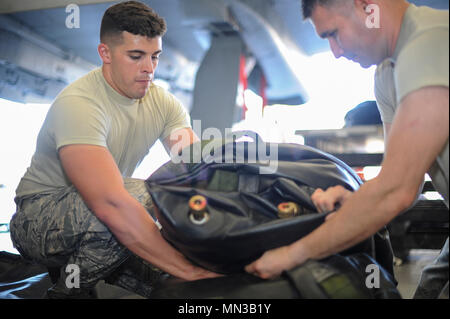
x=35 y=42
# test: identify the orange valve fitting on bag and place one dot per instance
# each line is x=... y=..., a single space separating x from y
x=197 y=210
x=288 y=209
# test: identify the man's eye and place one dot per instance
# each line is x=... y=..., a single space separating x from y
x=135 y=57
x=155 y=57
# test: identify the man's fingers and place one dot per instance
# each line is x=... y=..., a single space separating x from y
x=318 y=191
x=324 y=205
x=249 y=268
x=317 y=194
x=328 y=206
x=252 y=269
x=326 y=201
x=316 y=198
x=256 y=270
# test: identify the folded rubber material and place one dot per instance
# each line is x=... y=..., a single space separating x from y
x=242 y=203
x=336 y=277
x=20 y=279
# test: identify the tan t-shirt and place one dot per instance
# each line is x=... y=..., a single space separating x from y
x=421 y=59
x=90 y=111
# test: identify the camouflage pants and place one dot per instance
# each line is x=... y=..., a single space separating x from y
x=58 y=229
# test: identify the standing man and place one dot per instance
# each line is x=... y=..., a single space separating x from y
x=76 y=204
x=411 y=49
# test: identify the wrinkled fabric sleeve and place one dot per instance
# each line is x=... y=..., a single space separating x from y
x=423 y=62
x=176 y=116
x=78 y=120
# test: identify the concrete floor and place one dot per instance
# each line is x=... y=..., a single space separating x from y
x=407 y=272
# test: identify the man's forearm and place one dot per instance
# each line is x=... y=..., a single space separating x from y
x=133 y=227
x=362 y=215
x=95 y=175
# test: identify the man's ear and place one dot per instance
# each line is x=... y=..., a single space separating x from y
x=105 y=53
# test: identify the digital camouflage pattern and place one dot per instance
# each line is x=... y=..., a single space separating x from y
x=58 y=229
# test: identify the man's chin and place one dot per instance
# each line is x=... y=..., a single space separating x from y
x=140 y=94
x=365 y=65
x=373 y=60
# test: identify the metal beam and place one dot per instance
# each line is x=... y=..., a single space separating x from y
x=216 y=84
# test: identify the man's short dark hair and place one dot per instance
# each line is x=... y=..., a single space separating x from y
x=309 y=5
x=133 y=17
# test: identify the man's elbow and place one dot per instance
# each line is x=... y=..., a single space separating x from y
x=407 y=198
x=102 y=209
x=397 y=193
x=401 y=200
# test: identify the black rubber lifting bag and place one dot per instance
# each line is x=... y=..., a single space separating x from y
x=242 y=195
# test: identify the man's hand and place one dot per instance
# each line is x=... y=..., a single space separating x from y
x=272 y=263
x=326 y=201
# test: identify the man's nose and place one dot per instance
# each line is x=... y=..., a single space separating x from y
x=148 y=66
x=336 y=48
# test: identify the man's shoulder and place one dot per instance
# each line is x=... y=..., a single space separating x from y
x=424 y=30
x=426 y=38
x=81 y=96
x=423 y=56
x=85 y=86
x=425 y=22
x=425 y=16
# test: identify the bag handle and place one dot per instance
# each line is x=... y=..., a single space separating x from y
x=244 y=133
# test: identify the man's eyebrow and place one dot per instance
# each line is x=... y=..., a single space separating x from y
x=136 y=51
x=143 y=52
